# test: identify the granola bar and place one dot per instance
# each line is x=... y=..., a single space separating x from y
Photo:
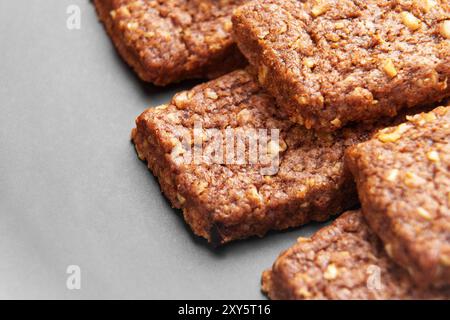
x=403 y=179
x=226 y=200
x=169 y=41
x=332 y=62
x=344 y=261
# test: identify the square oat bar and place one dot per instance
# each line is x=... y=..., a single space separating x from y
x=344 y=261
x=169 y=41
x=331 y=62
x=403 y=179
x=225 y=200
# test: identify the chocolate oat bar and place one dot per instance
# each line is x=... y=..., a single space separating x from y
x=224 y=199
x=403 y=179
x=169 y=41
x=331 y=62
x=344 y=261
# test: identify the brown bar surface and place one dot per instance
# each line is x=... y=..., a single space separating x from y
x=344 y=261
x=403 y=179
x=331 y=62
x=169 y=41
x=228 y=201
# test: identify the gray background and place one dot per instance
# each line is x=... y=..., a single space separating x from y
x=72 y=190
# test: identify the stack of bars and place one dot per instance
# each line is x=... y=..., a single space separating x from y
x=338 y=109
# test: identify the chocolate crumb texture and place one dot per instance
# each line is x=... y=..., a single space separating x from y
x=333 y=62
x=229 y=200
x=344 y=261
x=403 y=179
x=169 y=41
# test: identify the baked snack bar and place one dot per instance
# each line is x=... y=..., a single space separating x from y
x=403 y=179
x=169 y=41
x=228 y=200
x=344 y=261
x=331 y=62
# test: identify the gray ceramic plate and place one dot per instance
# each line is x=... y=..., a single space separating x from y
x=72 y=191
